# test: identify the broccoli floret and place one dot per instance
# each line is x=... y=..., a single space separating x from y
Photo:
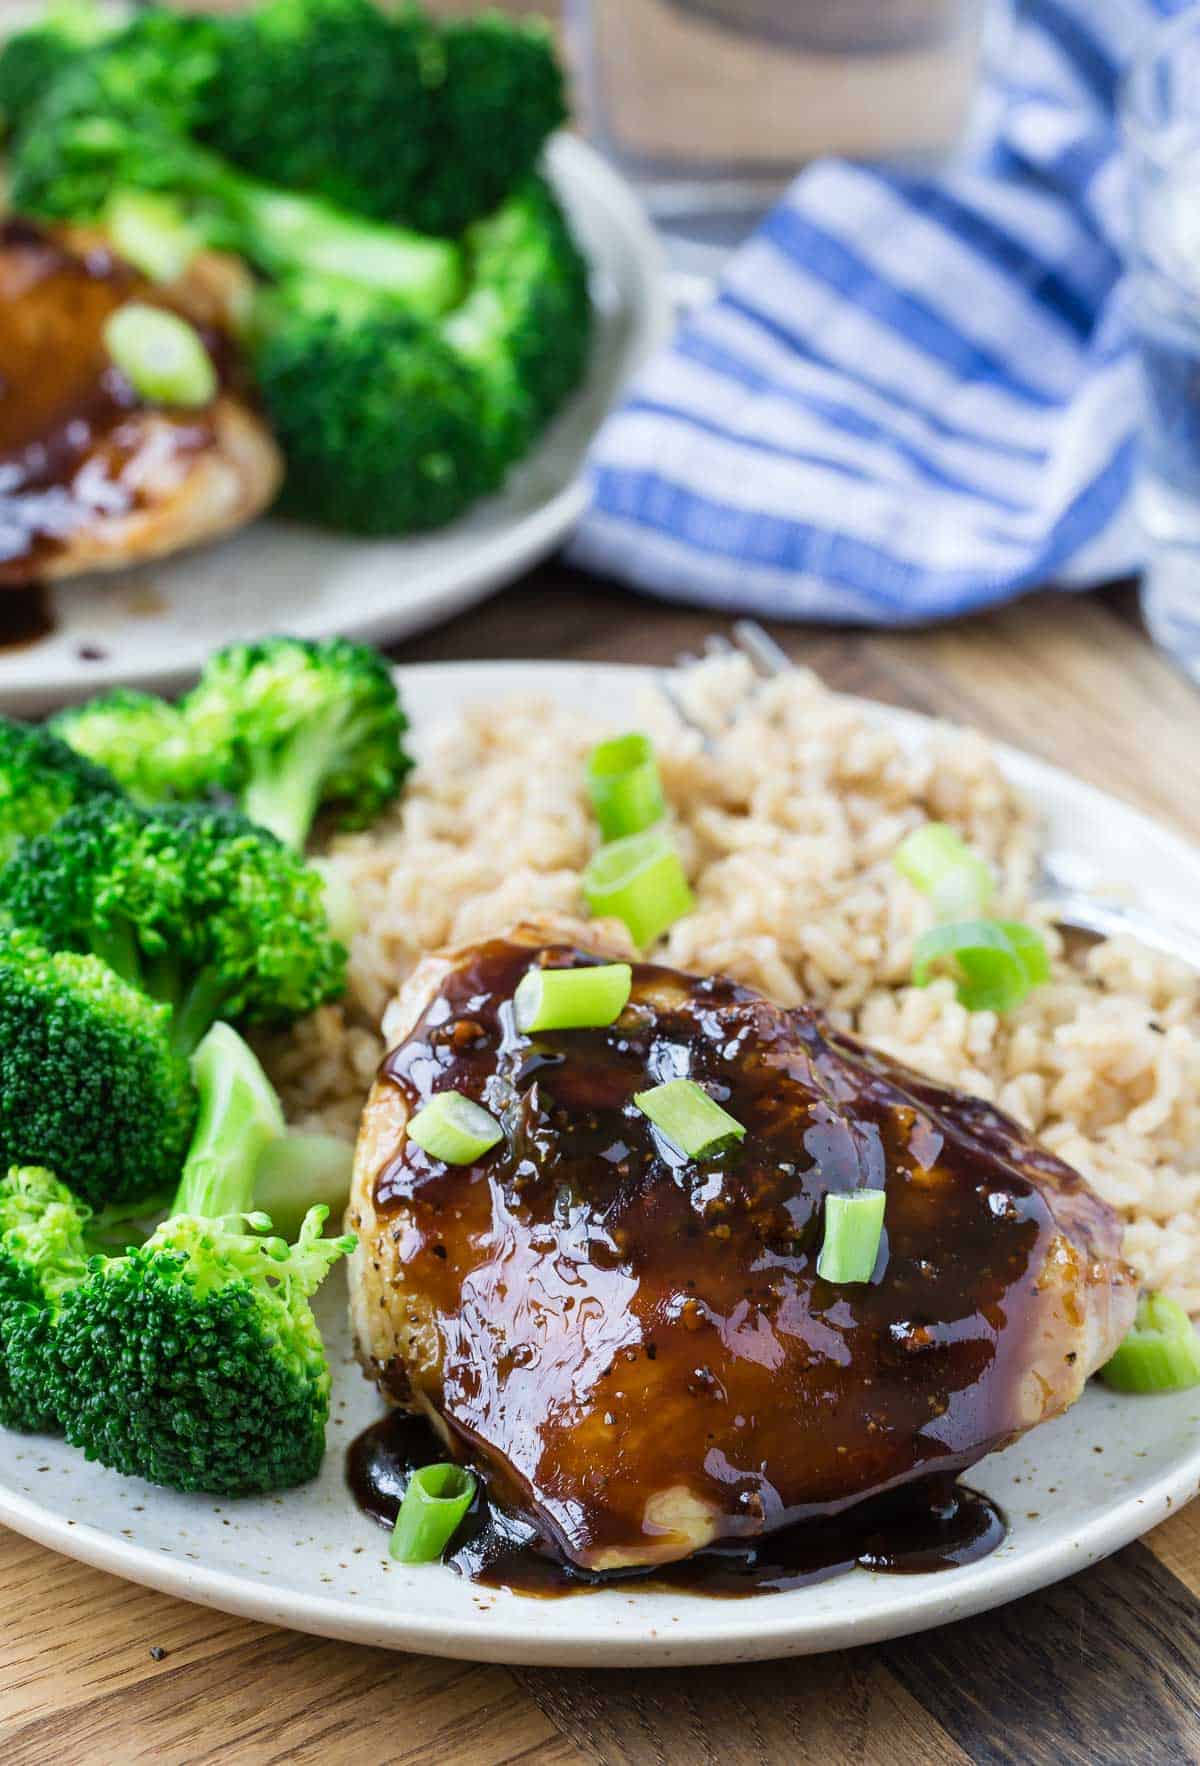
x=160 y=60
x=141 y=740
x=84 y=146
x=397 y=117
x=43 y=1251
x=196 y=905
x=525 y=327
x=296 y=724
x=31 y=61
x=389 y=426
x=378 y=419
x=331 y=97
x=500 y=99
x=195 y=1360
x=89 y=1081
x=41 y=778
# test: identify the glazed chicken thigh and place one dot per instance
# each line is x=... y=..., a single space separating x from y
x=91 y=478
x=635 y=1348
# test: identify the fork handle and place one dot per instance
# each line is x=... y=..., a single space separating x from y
x=1166 y=937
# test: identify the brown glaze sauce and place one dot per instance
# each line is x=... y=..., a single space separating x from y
x=68 y=419
x=614 y=1321
x=934 y=1526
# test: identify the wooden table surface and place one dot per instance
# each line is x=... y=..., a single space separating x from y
x=1101 y=1669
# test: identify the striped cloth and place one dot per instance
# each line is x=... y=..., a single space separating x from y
x=911 y=396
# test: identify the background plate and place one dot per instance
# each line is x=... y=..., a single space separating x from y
x=309 y=1559
x=155 y=625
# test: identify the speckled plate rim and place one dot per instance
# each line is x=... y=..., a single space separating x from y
x=1093 y=1507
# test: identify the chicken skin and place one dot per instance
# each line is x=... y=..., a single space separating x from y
x=635 y=1348
x=92 y=478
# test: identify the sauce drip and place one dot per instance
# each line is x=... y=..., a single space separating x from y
x=25 y=615
x=938 y=1525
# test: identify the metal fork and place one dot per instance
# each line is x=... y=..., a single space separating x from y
x=1057 y=883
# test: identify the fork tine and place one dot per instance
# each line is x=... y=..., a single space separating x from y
x=768 y=656
x=668 y=685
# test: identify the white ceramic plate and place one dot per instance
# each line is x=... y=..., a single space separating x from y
x=154 y=626
x=309 y=1559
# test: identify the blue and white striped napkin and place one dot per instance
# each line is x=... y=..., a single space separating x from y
x=911 y=396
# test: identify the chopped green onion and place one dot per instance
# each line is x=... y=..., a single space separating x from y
x=148 y=230
x=853 y=1229
x=572 y=999
x=434 y=1504
x=998 y=962
x=454 y=1129
x=939 y=863
x=161 y=355
x=1160 y=1353
x=624 y=785
x=638 y=880
x=691 y=1120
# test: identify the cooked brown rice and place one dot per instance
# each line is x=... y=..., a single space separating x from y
x=787 y=828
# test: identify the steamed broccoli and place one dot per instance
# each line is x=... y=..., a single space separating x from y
x=157 y=58
x=332 y=97
x=89 y=1081
x=194 y=1360
x=43 y=1251
x=294 y=724
x=85 y=145
x=379 y=420
x=196 y=905
x=424 y=125
x=32 y=60
x=389 y=425
x=501 y=98
x=41 y=778
x=524 y=328
x=143 y=741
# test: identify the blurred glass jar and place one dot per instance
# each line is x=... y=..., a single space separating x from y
x=712 y=105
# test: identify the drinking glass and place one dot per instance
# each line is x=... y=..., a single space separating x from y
x=711 y=106
x=1161 y=114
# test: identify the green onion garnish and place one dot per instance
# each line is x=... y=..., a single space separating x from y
x=454 y=1129
x=161 y=355
x=572 y=999
x=1160 y=1353
x=853 y=1229
x=998 y=962
x=638 y=880
x=434 y=1504
x=148 y=230
x=684 y=1113
x=624 y=785
x=939 y=863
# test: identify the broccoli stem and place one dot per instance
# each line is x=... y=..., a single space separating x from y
x=195 y=1011
x=301 y=1172
x=288 y=233
x=284 y=789
x=117 y=947
x=195 y=1001
x=240 y=1116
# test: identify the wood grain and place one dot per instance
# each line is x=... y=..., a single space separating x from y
x=1104 y=1668
x=1107 y=1659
